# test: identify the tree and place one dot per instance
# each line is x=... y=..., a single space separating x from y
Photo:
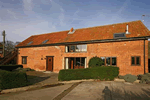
x=9 y=46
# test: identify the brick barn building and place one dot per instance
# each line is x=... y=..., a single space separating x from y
x=124 y=45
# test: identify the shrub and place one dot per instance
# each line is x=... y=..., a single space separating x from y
x=139 y=76
x=130 y=78
x=121 y=77
x=10 y=67
x=95 y=62
x=107 y=73
x=23 y=69
x=10 y=80
x=145 y=78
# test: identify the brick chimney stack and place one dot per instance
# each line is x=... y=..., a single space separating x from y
x=71 y=30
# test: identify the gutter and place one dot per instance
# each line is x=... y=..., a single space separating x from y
x=88 y=42
x=144 y=56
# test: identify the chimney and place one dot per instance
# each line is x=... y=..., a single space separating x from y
x=127 y=31
x=71 y=30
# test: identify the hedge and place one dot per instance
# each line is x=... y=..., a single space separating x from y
x=107 y=73
x=10 y=67
x=10 y=80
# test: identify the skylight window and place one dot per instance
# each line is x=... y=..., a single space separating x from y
x=44 y=41
x=119 y=35
x=30 y=42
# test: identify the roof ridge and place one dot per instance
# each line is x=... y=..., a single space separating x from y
x=89 y=27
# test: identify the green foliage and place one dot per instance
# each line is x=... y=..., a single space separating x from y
x=121 y=77
x=145 y=78
x=95 y=62
x=102 y=73
x=23 y=69
x=130 y=78
x=10 y=80
x=10 y=67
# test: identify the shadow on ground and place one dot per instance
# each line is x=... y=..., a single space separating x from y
x=122 y=94
x=36 y=79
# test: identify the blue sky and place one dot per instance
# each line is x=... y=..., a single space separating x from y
x=23 y=18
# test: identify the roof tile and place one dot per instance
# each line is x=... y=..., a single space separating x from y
x=136 y=28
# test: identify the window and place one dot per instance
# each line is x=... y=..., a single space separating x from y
x=135 y=60
x=103 y=59
x=113 y=60
x=119 y=35
x=30 y=42
x=76 y=48
x=45 y=41
x=77 y=61
x=109 y=61
x=24 y=59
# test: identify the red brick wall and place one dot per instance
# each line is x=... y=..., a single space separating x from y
x=122 y=50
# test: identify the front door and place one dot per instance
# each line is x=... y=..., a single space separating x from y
x=49 y=64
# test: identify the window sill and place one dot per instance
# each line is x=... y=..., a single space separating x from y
x=77 y=52
x=135 y=65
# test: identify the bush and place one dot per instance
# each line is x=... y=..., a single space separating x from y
x=23 y=69
x=10 y=67
x=10 y=80
x=139 y=76
x=102 y=73
x=95 y=62
x=121 y=77
x=145 y=78
x=130 y=78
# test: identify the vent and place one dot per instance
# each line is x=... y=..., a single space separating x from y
x=119 y=35
x=71 y=31
x=30 y=42
x=45 y=41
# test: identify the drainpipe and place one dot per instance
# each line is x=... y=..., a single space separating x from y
x=144 y=56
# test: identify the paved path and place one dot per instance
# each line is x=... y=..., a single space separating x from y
x=41 y=94
x=104 y=90
x=109 y=91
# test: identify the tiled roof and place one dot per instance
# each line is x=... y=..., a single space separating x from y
x=136 y=28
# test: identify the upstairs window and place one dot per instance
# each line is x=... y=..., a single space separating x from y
x=76 y=48
x=135 y=60
x=30 y=42
x=119 y=35
x=45 y=41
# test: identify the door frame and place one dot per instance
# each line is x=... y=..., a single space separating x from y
x=47 y=62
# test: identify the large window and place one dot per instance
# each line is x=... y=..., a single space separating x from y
x=24 y=59
x=135 y=60
x=109 y=61
x=76 y=48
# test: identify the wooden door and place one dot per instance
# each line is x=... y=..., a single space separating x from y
x=49 y=64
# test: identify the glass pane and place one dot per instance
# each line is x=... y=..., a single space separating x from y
x=113 y=60
x=24 y=60
x=82 y=61
x=84 y=47
x=78 y=48
x=77 y=61
x=107 y=60
x=103 y=58
x=73 y=48
x=133 y=60
x=68 y=48
x=137 y=60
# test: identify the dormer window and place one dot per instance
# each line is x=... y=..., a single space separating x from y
x=45 y=41
x=30 y=42
x=119 y=35
x=71 y=31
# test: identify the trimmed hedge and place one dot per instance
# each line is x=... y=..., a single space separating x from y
x=10 y=67
x=107 y=73
x=95 y=62
x=10 y=80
